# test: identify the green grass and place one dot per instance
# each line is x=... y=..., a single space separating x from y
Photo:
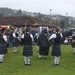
x=14 y=64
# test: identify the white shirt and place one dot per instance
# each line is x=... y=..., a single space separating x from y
x=54 y=36
x=14 y=35
x=37 y=35
x=5 y=38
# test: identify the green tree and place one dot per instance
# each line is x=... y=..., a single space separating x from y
x=62 y=24
x=19 y=13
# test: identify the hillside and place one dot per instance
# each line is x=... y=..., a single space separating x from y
x=54 y=19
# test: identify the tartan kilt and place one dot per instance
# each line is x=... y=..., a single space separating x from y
x=56 y=51
x=3 y=48
x=27 y=50
x=15 y=42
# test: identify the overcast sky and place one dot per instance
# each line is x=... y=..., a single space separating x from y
x=43 y=6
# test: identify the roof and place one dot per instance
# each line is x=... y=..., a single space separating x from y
x=40 y=22
x=22 y=20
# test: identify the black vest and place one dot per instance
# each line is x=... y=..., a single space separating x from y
x=16 y=34
x=27 y=39
x=57 y=40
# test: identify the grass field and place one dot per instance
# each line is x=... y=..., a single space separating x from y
x=14 y=64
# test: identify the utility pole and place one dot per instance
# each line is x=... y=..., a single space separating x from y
x=50 y=14
x=25 y=24
x=66 y=20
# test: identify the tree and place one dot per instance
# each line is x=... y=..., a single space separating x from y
x=19 y=13
x=62 y=24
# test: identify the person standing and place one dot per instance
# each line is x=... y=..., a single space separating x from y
x=27 y=49
x=3 y=46
x=36 y=40
x=73 y=40
x=43 y=44
x=15 y=40
x=55 y=38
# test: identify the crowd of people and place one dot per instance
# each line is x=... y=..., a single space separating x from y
x=44 y=40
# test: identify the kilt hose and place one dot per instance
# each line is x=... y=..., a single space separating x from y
x=27 y=50
x=56 y=50
x=3 y=48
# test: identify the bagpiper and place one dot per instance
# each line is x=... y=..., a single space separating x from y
x=3 y=45
x=15 y=40
x=27 y=49
x=55 y=38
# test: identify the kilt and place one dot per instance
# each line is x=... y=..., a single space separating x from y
x=3 y=48
x=73 y=43
x=43 y=50
x=15 y=42
x=56 y=50
x=27 y=50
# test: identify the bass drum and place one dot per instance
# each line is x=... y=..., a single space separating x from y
x=41 y=28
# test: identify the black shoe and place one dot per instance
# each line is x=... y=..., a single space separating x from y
x=25 y=64
x=39 y=58
x=29 y=64
x=55 y=64
x=1 y=62
x=15 y=52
